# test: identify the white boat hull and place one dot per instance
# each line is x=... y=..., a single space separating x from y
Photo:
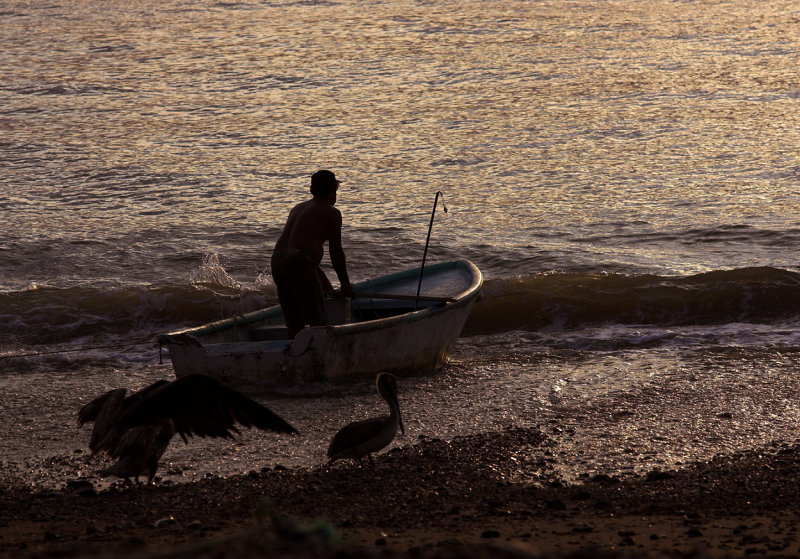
x=412 y=342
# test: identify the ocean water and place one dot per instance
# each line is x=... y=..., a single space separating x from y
x=624 y=173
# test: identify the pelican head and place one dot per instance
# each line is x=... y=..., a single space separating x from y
x=386 y=383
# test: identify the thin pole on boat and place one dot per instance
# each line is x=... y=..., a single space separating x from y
x=427 y=242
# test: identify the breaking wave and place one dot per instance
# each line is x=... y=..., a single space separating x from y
x=46 y=317
x=568 y=301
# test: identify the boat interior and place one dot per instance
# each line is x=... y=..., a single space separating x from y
x=348 y=311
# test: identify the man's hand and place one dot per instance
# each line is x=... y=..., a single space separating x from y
x=347 y=289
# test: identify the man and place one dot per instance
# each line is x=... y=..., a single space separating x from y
x=302 y=285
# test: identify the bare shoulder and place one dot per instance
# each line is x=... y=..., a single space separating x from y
x=335 y=212
x=301 y=207
x=322 y=214
x=329 y=212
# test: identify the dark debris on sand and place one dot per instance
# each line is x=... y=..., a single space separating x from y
x=474 y=496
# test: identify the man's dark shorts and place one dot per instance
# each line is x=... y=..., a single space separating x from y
x=300 y=292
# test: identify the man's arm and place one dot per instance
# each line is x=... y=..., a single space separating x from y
x=338 y=259
x=323 y=279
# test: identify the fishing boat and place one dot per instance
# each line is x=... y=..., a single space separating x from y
x=403 y=323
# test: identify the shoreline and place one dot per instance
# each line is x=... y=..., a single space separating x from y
x=471 y=496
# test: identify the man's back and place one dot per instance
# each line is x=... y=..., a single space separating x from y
x=309 y=225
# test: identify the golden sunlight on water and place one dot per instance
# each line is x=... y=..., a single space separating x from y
x=529 y=115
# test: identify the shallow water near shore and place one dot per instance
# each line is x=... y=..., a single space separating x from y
x=624 y=174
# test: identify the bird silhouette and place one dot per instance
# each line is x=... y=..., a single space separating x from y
x=362 y=438
x=136 y=430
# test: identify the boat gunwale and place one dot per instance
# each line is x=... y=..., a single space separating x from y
x=461 y=299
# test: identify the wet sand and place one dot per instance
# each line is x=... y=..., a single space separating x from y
x=485 y=495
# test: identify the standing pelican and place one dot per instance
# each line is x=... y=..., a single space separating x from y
x=362 y=438
x=136 y=429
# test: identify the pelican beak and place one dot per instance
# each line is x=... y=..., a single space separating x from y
x=399 y=413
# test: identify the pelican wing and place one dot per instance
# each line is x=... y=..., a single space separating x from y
x=90 y=411
x=113 y=405
x=199 y=405
x=105 y=410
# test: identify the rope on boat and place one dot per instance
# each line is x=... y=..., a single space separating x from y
x=89 y=348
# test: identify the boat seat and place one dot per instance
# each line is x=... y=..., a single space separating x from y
x=269 y=333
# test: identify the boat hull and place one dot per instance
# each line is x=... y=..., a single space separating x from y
x=416 y=341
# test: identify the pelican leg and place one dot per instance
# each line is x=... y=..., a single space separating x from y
x=152 y=465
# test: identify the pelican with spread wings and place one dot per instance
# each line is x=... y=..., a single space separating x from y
x=136 y=429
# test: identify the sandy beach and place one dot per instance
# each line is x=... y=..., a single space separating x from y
x=472 y=496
